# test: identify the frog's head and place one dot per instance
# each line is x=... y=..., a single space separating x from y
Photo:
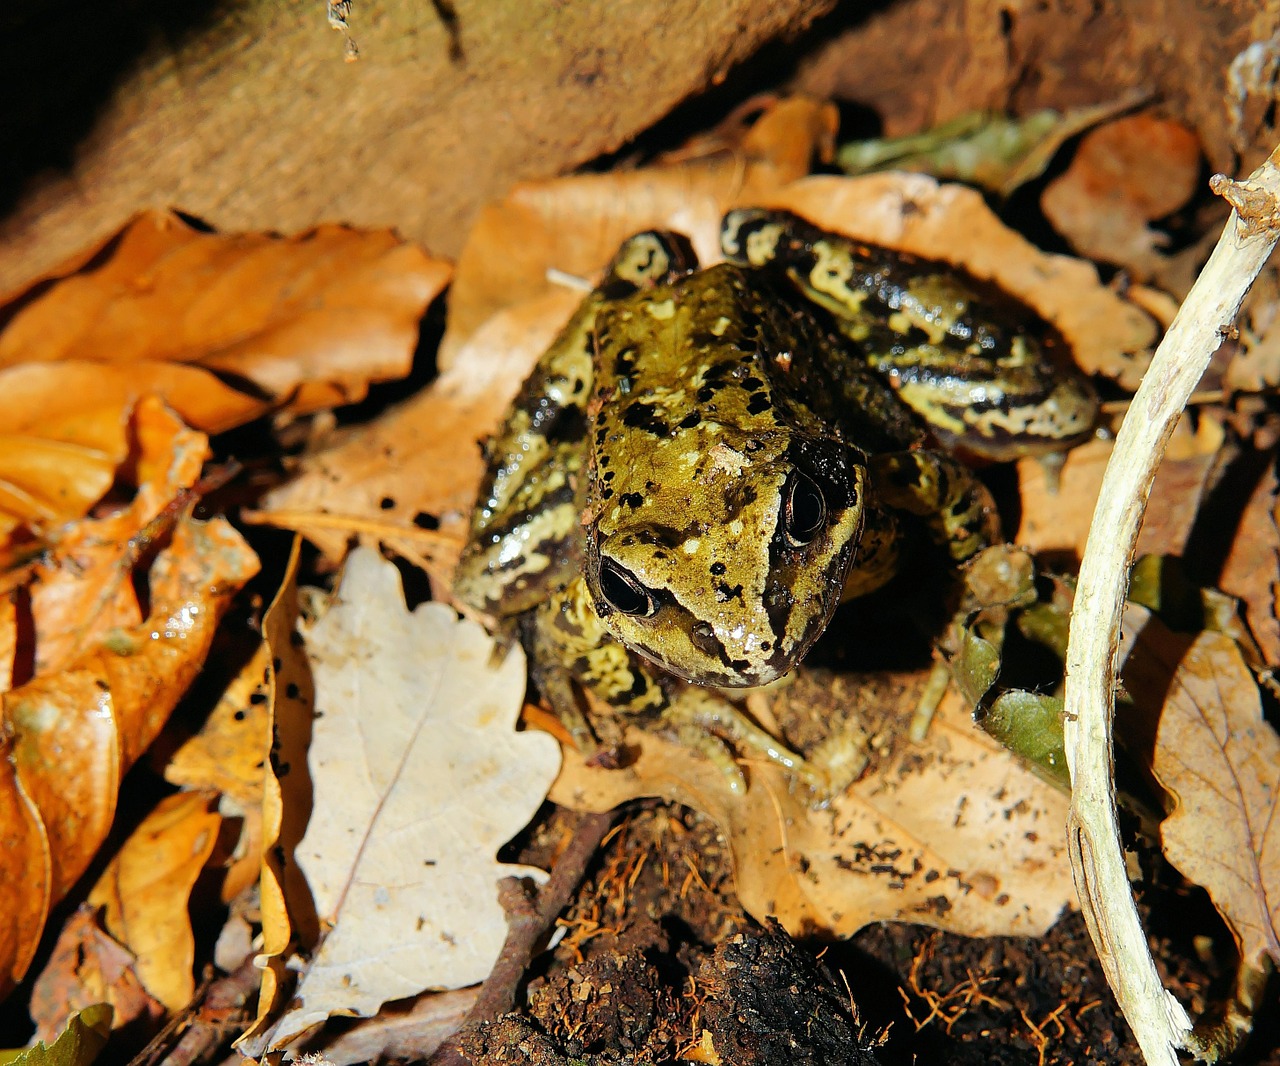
x=726 y=564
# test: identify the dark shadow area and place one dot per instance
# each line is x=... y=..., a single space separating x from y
x=63 y=61
x=1221 y=514
x=768 y=70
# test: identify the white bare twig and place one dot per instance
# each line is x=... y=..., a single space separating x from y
x=1157 y=1018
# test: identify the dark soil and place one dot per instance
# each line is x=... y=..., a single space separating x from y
x=658 y=964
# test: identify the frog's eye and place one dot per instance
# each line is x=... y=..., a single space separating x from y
x=804 y=511
x=624 y=593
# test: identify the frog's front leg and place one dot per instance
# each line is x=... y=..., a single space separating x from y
x=954 y=504
x=569 y=643
x=524 y=528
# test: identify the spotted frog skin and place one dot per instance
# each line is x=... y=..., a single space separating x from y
x=706 y=462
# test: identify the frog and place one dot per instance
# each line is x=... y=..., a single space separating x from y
x=708 y=461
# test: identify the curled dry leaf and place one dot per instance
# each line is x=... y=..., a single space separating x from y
x=952 y=832
x=574 y=225
x=227 y=756
x=91 y=706
x=288 y=912
x=1123 y=176
x=87 y=966
x=145 y=891
x=225 y=328
x=1221 y=760
x=418 y=778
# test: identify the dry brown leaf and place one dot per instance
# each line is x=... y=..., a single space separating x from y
x=1057 y=506
x=1124 y=175
x=145 y=892
x=416 y=468
x=310 y=319
x=1221 y=760
x=93 y=706
x=574 y=225
x=288 y=916
x=1251 y=571
x=87 y=966
x=81 y=587
x=65 y=429
x=225 y=328
x=227 y=755
x=952 y=833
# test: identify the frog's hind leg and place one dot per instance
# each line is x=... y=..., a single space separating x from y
x=650 y=258
x=531 y=495
x=954 y=504
x=984 y=370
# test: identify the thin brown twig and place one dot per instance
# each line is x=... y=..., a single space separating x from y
x=215 y=1015
x=528 y=919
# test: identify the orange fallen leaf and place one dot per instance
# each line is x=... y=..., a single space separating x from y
x=324 y=312
x=1220 y=759
x=224 y=327
x=103 y=678
x=81 y=586
x=145 y=891
x=1125 y=174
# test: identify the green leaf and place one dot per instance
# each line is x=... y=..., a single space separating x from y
x=1030 y=725
x=78 y=1045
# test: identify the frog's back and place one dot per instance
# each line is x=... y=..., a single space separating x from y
x=734 y=347
x=724 y=503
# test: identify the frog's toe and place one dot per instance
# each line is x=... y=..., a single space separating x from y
x=695 y=737
x=710 y=724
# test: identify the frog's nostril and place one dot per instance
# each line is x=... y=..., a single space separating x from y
x=703 y=637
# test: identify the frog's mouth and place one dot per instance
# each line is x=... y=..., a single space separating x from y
x=727 y=673
x=748 y=656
